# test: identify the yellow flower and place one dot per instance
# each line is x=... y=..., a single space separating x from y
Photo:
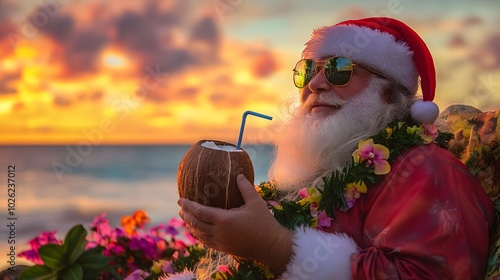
x=414 y=129
x=259 y=190
x=389 y=132
x=309 y=196
x=360 y=186
x=353 y=190
x=350 y=192
x=156 y=267
x=315 y=195
x=218 y=276
x=313 y=223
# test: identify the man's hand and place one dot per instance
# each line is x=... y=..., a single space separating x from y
x=249 y=231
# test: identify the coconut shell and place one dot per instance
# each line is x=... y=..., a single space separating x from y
x=208 y=176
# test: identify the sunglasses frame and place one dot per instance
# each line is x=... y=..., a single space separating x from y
x=321 y=64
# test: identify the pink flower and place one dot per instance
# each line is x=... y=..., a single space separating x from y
x=176 y=223
x=429 y=133
x=190 y=239
x=353 y=190
x=350 y=202
x=178 y=245
x=373 y=154
x=323 y=220
x=163 y=231
x=31 y=255
x=47 y=237
x=114 y=249
x=99 y=220
x=303 y=193
x=144 y=245
x=37 y=242
x=104 y=230
x=273 y=203
x=101 y=231
x=96 y=239
x=167 y=267
x=313 y=208
x=116 y=234
x=225 y=269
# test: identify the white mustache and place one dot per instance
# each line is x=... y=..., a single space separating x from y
x=323 y=99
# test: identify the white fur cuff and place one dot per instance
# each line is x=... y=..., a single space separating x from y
x=318 y=255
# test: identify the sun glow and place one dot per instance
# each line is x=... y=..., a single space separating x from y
x=114 y=60
x=5 y=107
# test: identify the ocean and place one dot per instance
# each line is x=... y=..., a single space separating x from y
x=57 y=187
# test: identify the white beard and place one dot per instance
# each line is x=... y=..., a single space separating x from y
x=310 y=146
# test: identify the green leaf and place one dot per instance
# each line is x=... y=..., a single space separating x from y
x=74 y=272
x=93 y=260
x=52 y=256
x=74 y=243
x=93 y=274
x=38 y=272
x=292 y=214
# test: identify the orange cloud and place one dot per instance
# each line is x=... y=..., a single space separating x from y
x=264 y=65
x=148 y=73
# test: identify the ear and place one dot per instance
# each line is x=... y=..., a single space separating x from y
x=388 y=92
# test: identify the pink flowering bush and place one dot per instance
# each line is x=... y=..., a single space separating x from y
x=128 y=252
x=44 y=238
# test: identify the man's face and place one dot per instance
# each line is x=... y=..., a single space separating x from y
x=319 y=85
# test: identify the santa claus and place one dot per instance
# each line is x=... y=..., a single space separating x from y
x=425 y=218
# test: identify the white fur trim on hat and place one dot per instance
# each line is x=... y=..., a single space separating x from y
x=424 y=111
x=366 y=46
x=320 y=256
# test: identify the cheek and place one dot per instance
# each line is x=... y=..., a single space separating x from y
x=304 y=93
x=354 y=88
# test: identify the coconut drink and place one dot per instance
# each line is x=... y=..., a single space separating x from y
x=207 y=173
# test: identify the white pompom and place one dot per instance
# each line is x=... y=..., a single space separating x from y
x=424 y=111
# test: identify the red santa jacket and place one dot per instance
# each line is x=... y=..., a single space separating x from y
x=428 y=219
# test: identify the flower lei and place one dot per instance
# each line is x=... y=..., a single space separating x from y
x=316 y=207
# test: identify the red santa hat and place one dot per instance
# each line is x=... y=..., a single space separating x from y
x=388 y=46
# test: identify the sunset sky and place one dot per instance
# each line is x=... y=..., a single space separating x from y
x=175 y=72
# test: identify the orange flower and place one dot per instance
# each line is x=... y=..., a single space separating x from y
x=161 y=244
x=141 y=218
x=128 y=224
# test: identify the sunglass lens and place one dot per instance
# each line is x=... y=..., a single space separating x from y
x=303 y=72
x=338 y=70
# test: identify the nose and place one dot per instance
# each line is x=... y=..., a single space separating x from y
x=319 y=84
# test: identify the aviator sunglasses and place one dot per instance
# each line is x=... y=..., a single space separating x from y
x=337 y=71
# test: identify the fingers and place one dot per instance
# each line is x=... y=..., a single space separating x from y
x=195 y=225
x=246 y=188
x=203 y=213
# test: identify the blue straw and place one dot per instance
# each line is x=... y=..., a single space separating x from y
x=243 y=124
